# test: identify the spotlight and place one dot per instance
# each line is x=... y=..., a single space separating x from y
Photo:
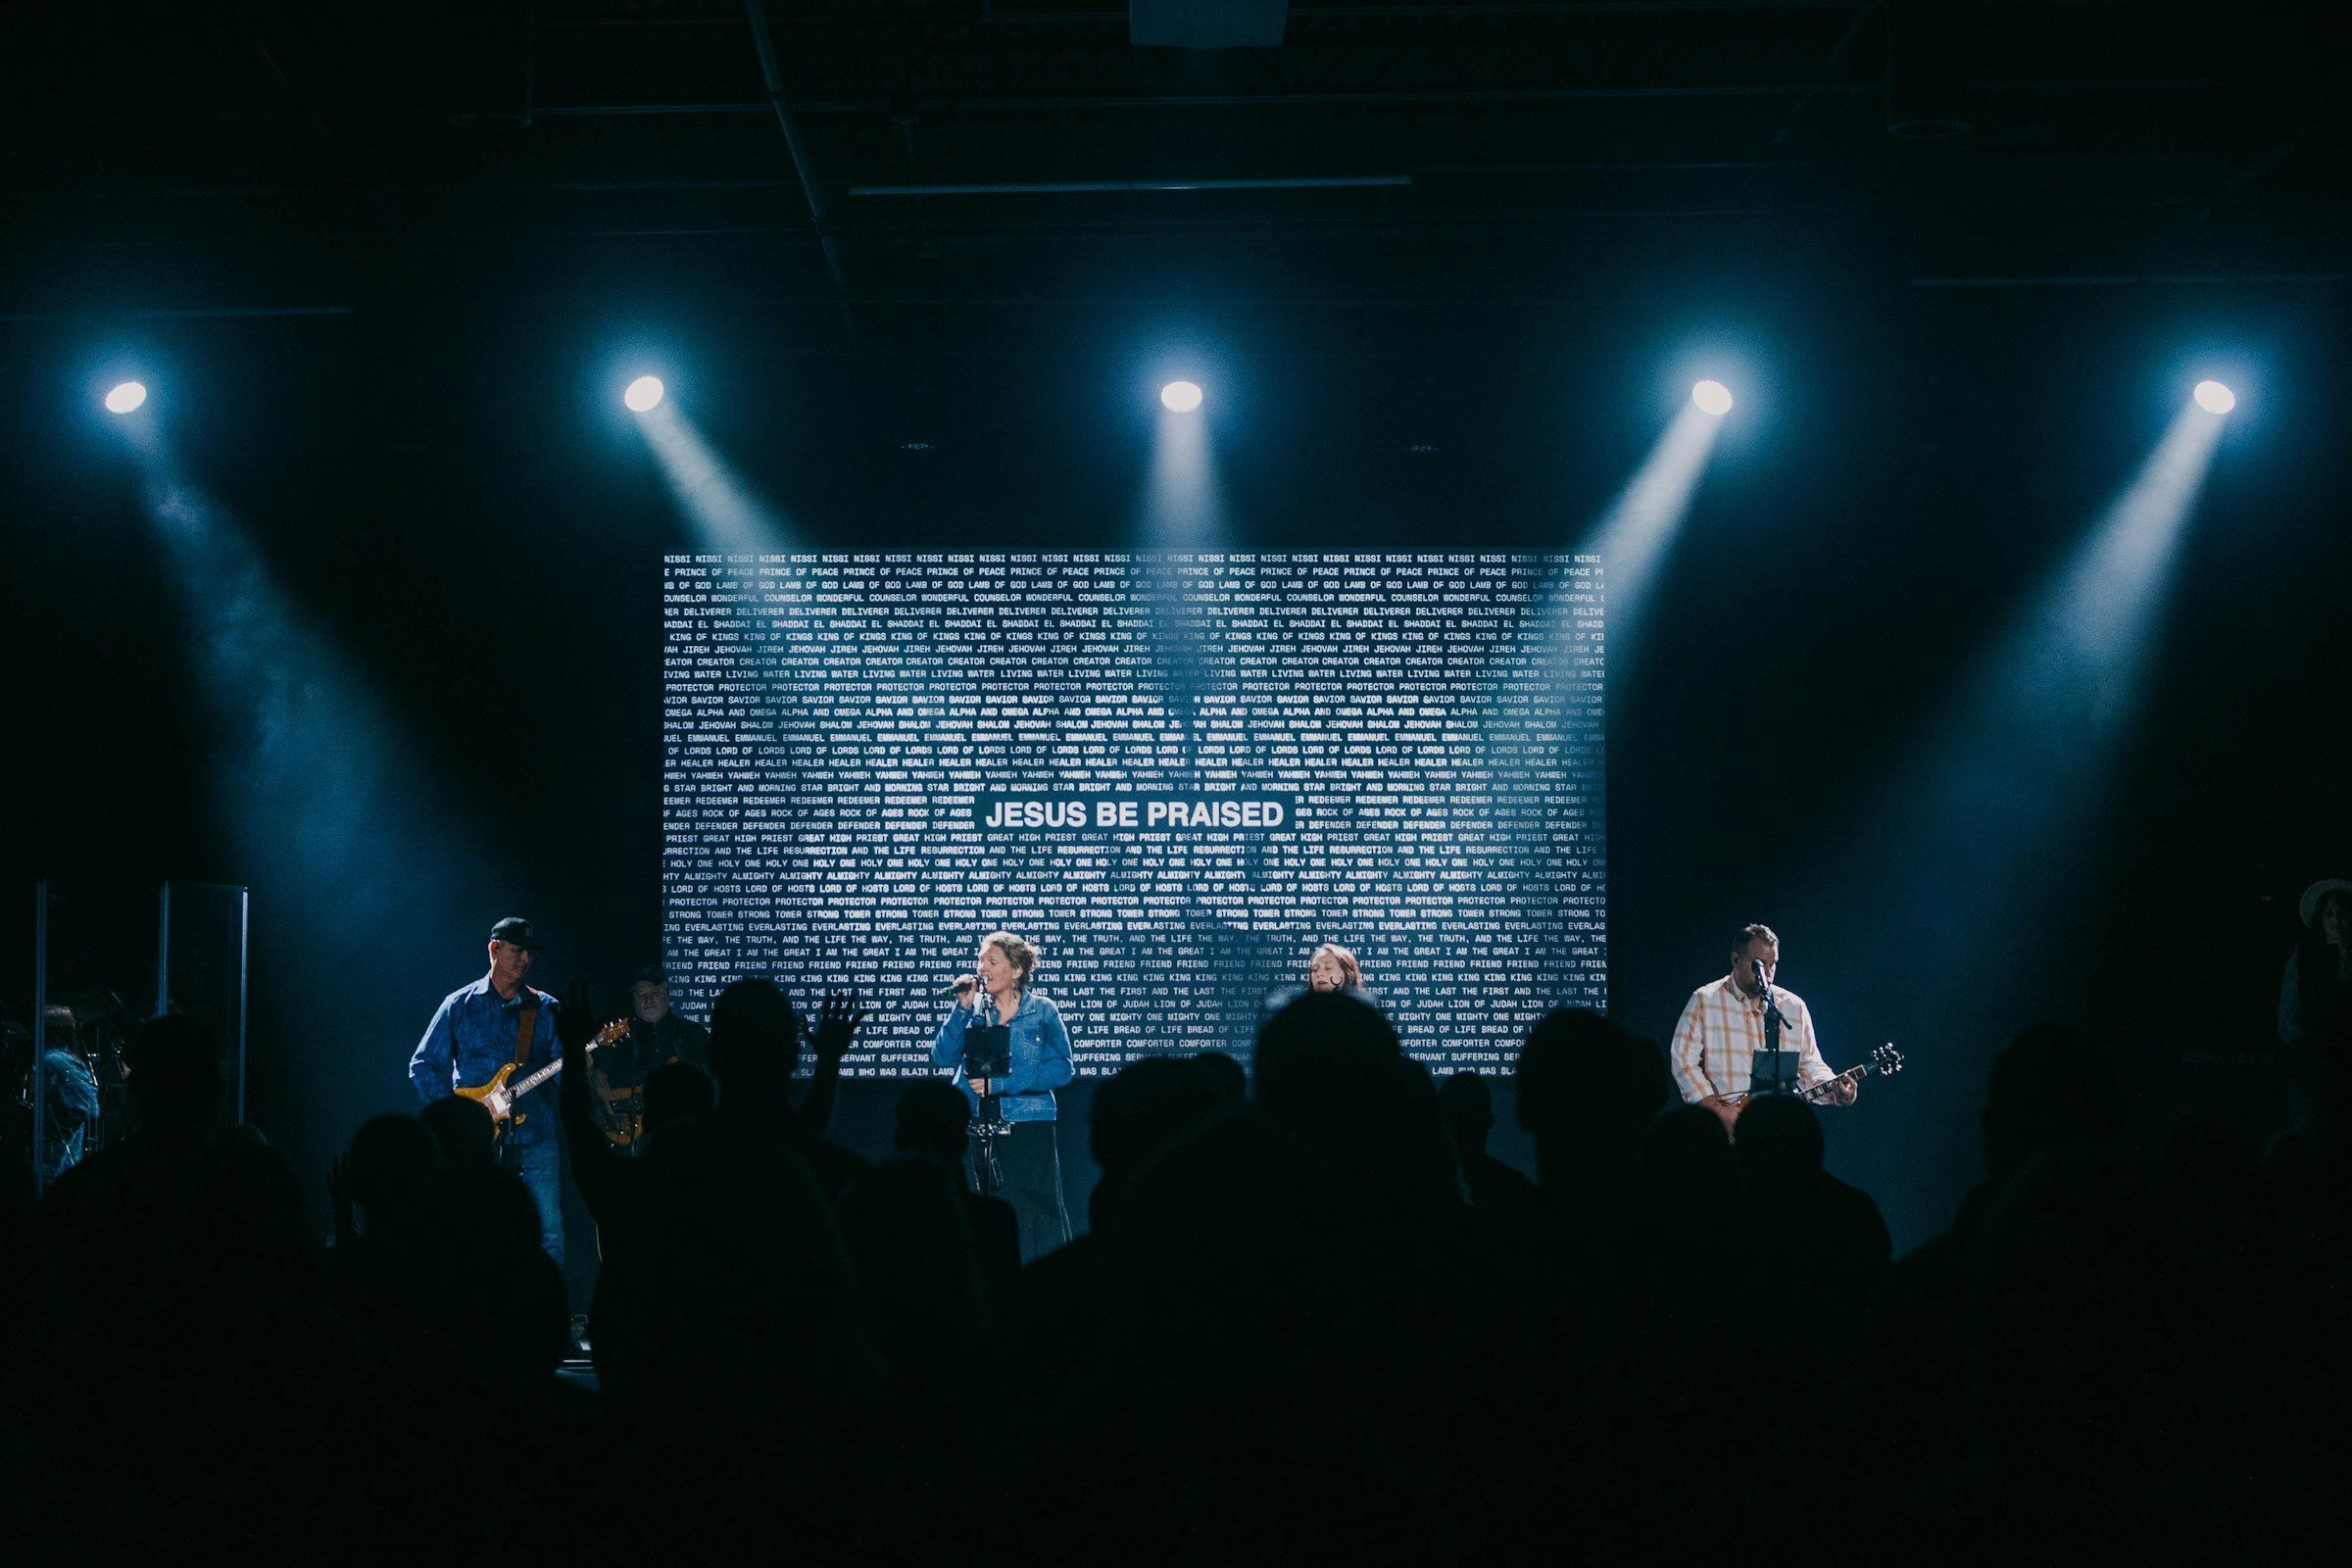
x=1712 y=397
x=2214 y=398
x=643 y=393
x=130 y=394
x=1180 y=397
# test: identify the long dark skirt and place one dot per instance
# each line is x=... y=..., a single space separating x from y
x=1030 y=1162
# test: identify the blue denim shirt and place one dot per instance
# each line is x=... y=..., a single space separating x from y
x=473 y=1034
x=1040 y=1055
x=72 y=1091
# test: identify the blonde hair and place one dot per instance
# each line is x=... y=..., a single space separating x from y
x=1351 y=971
x=1018 y=951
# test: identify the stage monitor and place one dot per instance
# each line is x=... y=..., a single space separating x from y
x=1179 y=774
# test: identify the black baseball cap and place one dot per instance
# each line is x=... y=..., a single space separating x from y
x=515 y=932
x=650 y=974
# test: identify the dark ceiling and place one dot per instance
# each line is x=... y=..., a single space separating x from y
x=283 y=156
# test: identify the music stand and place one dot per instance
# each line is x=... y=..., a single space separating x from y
x=988 y=1054
x=1771 y=1070
x=1772 y=1073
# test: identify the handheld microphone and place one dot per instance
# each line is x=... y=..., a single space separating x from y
x=956 y=990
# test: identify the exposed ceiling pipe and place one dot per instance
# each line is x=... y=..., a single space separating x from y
x=1206 y=24
x=1060 y=187
x=765 y=42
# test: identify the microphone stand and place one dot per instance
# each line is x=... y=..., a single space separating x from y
x=990 y=1125
x=1773 y=1019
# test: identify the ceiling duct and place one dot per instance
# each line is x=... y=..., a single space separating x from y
x=1927 y=95
x=1207 y=24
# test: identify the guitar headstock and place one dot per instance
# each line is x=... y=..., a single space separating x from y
x=611 y=1034
x=1886 y=1059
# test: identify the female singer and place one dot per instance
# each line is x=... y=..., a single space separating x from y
x=1333 y=968
x=1031 y=1157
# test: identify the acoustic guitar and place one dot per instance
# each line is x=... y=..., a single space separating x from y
x=500 y=1095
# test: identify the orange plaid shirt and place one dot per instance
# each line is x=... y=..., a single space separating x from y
x=1722 y=1030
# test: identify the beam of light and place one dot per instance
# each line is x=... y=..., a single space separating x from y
x=1181 y=513
x=1628 y=545
x=125 y=397
x=1616 y=569
x=306 y=762
x=643 y=393
x=725 y=513
x=2087 y=643
x=1712 y=397
x=356 y=858
x=2214 y=398
x=1980 y=844
x=1183 y=502
x=1989 y=817
x=1633 y=537
x=1180 y=397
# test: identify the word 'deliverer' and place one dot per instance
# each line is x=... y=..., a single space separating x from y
x=1140 y=811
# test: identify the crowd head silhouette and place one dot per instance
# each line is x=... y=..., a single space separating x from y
x=1312 y=1314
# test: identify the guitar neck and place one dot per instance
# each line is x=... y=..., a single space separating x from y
x=536 y=1079
x=1854 y=1074
x=549 y=1071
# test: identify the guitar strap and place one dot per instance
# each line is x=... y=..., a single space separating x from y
x=530 y=1024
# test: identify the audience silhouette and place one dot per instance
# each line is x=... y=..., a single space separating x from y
x=1466 y=1108
x=1312 y=1316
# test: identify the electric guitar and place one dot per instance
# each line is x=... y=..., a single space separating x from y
x=1885 y=1062
x=623 y=1110
x=499 y=1095
x=620 y=1107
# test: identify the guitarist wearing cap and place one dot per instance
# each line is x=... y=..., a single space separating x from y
x=499 y=1022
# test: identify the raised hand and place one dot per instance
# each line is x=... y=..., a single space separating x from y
x=837 y=1023
x=575 y=1022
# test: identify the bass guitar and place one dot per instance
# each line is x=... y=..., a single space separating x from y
x=1885 y=1062
x=500 y=1095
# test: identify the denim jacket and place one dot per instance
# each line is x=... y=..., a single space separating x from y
x=472 y=1035
x=1040 y=1055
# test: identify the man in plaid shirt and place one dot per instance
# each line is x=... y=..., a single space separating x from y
x=1723 y=1028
